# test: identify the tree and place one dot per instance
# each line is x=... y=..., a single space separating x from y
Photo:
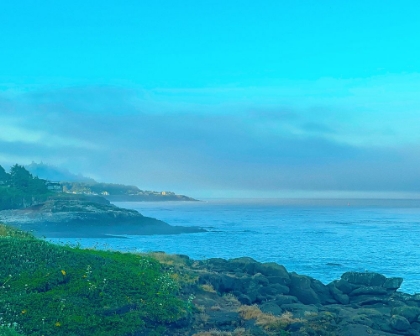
x=4 y=177
x=20 y=178
x=23 y=180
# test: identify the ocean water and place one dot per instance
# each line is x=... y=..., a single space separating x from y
x=319 y=238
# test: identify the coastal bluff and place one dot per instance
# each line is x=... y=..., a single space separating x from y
x=81 y=216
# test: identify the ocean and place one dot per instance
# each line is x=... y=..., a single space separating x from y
x=319 y=238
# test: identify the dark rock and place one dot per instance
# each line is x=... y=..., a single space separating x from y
x=244 y=299
x=222 y=318
x=274 y=289
x=299 y=310
x=373 y=301
x=242 y=265
x=321 y=291
x=285 y=299
x=260 y=279
x=228 y=283
x=216 y=264
x=364 y=278
x=344 y=286
x=410 y=313
x=295 y=326
x=368 y=290
x=399 y=323
x=359 y=330
x=338 y=295
x=278 y=280
x=416 y=325
x=272 y=269
x=271 y=308
x=413 y=332
x=392 y=283
x=300 y=287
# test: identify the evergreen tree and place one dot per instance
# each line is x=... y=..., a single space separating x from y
x=4 y=177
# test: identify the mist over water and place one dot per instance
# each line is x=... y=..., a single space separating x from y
x=322 y=238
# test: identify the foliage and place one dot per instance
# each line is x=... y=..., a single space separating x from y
x=20 y=189
x=46 y=289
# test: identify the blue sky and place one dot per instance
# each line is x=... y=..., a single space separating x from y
x=216 y=98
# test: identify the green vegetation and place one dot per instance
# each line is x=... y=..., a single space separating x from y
x=20 y=189
x=46 y=289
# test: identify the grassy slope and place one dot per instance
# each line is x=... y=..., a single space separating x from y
x=47 y=289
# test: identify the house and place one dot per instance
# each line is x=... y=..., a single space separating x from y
x=54 y=186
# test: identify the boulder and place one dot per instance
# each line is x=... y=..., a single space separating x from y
x=274 y=289
x=271 y=308
x=338 y=295
x=364 y=278
x=242 y=265
x=344 y=286
x=410 y=313
x=392 y=283
x=260 y=279
x=300 y=287
x=322 y=291
x=271 y=269
x=369 y=290
x=285 y=299
x=399 y=323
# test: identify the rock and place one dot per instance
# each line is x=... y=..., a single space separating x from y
x=410 y=313
x=300 y=287
x=344 y=286
x=278 y=280
x=272 y=269
x=393 y=283
x=260 y=279
x=399 y=323
x=364 y=278
x=369 y=290
x=285 y=299
x=338 y=295
x=242 y=265
x=322 y=291
x=244 y=299
x=216 y=264
x=271 y=308
x=299 y=310
x=274 y=289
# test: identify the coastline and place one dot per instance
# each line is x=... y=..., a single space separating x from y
x=224 y=297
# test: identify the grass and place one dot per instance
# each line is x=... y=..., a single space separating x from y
x=46 y=289
x=268 y=322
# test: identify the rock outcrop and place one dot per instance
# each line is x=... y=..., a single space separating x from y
x=359 y=303
x=84 y=216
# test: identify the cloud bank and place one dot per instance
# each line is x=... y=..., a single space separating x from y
x=355 y=137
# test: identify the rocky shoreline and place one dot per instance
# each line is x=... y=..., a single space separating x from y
x=244 y=297
x=86 y=217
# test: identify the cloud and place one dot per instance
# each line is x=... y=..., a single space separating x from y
x=138 y=137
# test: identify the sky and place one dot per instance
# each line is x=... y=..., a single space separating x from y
x=216 y=98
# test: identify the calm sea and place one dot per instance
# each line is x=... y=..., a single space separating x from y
x=319 y=238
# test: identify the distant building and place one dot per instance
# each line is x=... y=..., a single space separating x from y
x=54 y=186
x=105 y=193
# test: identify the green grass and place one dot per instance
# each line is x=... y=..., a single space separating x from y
x=46 y=289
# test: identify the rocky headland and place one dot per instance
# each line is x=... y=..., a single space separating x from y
x=79 y=216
